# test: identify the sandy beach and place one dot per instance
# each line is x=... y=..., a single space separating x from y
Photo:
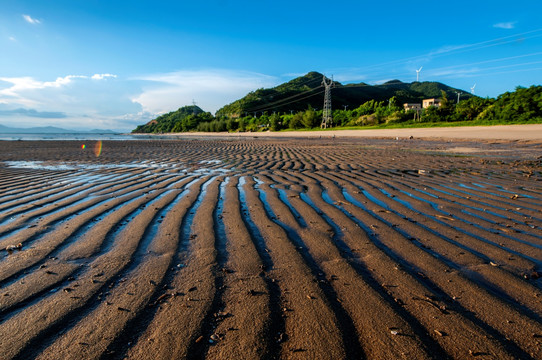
x=366 y=245
x=497 y=132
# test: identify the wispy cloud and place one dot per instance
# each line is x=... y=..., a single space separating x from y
x=453 y=73
x=12 y=38
x=505 y=25
x=102 y=76
x=29 y=19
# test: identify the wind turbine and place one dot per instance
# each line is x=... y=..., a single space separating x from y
x=418 y=74
x=472 y=89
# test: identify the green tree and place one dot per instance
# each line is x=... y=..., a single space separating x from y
x=285 y=120
x=177 y=127
x=446 y=108
x=275 y=122
x=471 y=108
x=394 y=105
x=242 y=124
x=297 y=121
x=522 y=105
x=367 y=108
x=310 y=119
x=340 y=117
x=431 y=114
x=231 y=124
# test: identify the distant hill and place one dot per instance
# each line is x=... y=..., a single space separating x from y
x=299 y=93
x=183 y=119
x=48 y=130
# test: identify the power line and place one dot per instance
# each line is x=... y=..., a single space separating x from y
x=503 y=72
x=435 y=72
x=486 y=61
x=290 y=102
x=460 y=49
x=297 y=85
x=448 y=51
x=280 y=102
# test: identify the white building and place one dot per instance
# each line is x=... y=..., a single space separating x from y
x=431 y=102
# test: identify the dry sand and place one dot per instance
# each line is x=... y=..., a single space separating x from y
x=498 y=132
x=227 y=248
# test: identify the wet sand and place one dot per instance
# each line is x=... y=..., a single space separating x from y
x=225 y=247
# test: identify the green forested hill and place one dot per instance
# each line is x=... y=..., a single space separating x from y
x=302 y=92
x=181 y=120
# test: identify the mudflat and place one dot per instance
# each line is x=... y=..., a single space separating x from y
x=299 y=248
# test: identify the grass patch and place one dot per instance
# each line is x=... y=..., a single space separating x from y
x=412 y=124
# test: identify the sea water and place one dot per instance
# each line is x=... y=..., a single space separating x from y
x=81 y=136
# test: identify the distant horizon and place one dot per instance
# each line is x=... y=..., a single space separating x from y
x=17 y=130
x=119 y=64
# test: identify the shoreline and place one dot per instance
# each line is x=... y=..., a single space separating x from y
x=528 y=132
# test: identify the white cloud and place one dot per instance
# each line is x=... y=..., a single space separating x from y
x=17 y=93
x=12 y=38
x=31 y=20
x=72 y=101
x=505 y=25
x=102 y=76
x=211 y=89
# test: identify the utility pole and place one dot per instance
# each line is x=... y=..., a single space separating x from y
x=458 y=95
x=327 y=116
x=193 y=107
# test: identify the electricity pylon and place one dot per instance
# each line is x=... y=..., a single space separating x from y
x=193 y=107
x=327 y=116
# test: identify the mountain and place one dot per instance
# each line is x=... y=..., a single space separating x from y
x=101 y=131
x=33 y=130
x=307 y=90
x=48 y=130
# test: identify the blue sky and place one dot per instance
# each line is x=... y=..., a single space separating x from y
x=116 y=64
